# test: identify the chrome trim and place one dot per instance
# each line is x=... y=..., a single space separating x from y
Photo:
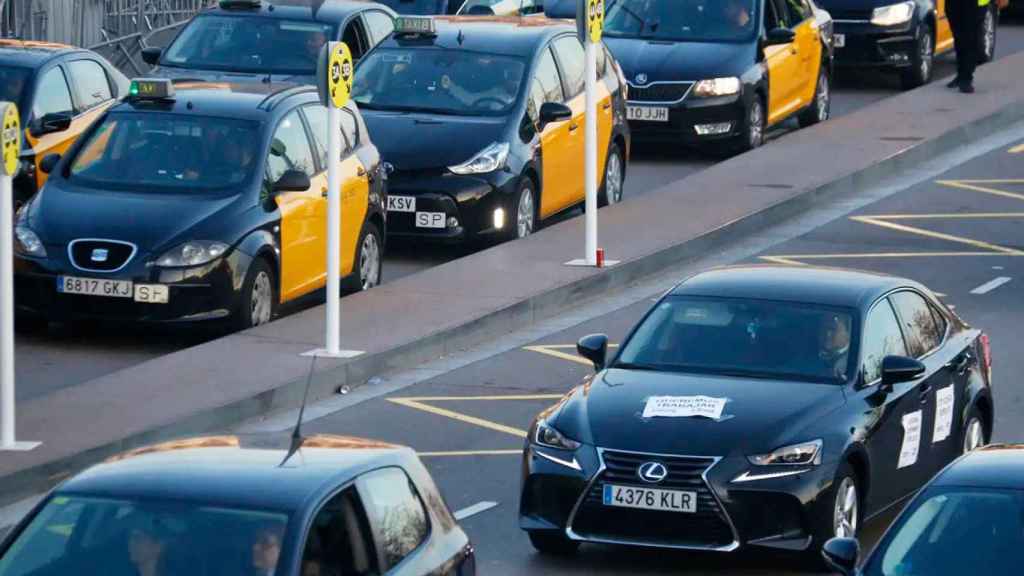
x=841 y=21
x=574 y=464
x=704 y=476
x=71 y=256
x=748 y=477
x=632 y=86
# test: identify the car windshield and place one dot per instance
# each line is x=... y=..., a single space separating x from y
x=418 y=7
x=491 y=7
x=13 y=83
x=167 y=152
x=743 y=337
x=249 y=44
x=682 y=20
x=121 y=536
x=438 y=80
x=949 y=530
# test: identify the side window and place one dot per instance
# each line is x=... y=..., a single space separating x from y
x=882 y=337
x=316 y=117
x=546 y=86
x=923 y=334
x=52 y=94
x=339 y=540
x=602 y=61
x=379 y=24
x=91 y=83
x=355 y=37
x=350 y=128
x=570 y=56
x=798 y=11
x=773 y=17
x=289 y=149
x=397 y=515
x=528 y=7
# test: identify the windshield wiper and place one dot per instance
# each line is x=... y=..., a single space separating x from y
x=637 y=366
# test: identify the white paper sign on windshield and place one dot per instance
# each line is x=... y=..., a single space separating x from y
x=945 y=398
x=911 y=439
x=684 y=407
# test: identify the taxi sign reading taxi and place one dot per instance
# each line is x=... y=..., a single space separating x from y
x=334 y=74
x=415 y=25
x=590 y=19
x=10 y=138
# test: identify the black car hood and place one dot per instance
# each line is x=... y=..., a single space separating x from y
x=424 y=141
x=231 y=77
x=761 y=415
x=152 y=221
x=674 y=61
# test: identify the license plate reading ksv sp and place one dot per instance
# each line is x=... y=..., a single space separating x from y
x=650 y=498
x=401 y=203
x=647 y=113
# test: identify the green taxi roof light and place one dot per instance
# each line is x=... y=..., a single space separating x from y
x=420 y=25
x=151 y=89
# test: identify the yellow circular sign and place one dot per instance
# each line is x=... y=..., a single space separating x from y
x=10 y=138
x=595 y=19
x=339 y=74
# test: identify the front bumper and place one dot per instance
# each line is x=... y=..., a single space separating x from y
x=870 y=46
x=469 y=200
x=768 y=513
x=684 y=118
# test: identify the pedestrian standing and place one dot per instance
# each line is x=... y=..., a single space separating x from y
x=965 y=20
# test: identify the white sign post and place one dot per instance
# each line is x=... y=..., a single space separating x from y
x=10 y=141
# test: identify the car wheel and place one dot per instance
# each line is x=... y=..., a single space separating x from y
x=614 y=178
x=367 y=270
x=821 y=108
x=838 y=513
x=524 y=213
x=974 y=432
x=258 y=303
x=987 y=35
x=921 y=64
x=553 y=543
x=753 y=128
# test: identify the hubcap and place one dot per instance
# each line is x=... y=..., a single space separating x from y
x=845 y=516
x=369 y=262
x=260 y=304
x=756 y=123
x=989 y=36
x=926 y=55
x=974 y=436
x=524 y=217
x=824 y=98
x=613 y=179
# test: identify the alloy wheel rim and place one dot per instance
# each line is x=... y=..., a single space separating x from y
x=926 y=55
x=824 y=98
x=260 y=302
x=974 y=437
x=845 y=516
x=755 y=124
x=524 y=217
x=369 y=262
x=989 y=37
x=613 y=179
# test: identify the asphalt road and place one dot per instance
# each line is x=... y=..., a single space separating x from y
x=468 y=423
x=61 y=356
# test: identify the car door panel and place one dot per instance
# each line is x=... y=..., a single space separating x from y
x=555 y=138
x=570 y=190
x=783 y=64
x=355 y=194
x=943 y=31
x=809 y=49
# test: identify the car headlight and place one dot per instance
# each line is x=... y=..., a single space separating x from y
x=487 y=160
x=807 y=453
x=547 y=435
x=194 y=253
x=717 y=87
x=893 y=14
x=27 y=243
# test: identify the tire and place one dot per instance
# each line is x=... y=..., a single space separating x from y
x=821 y=108
x=523 y=212
x=258 y=303
x=835 y=503
x=615 y=175
x=368 y=267
x=553 y=543
x=922 y=65
x=988 y=34
x=753 y=128
x=973 y=435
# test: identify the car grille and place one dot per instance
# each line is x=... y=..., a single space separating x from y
x=707 y=528
x=860 y=15
x=662 y=92
x=100 y=255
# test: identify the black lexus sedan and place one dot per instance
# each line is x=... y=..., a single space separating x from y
x=239 y=505
x=481 y=119
x=758 y=406
x=968 y=520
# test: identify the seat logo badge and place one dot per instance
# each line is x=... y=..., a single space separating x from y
x=641 y=79
x=652 y=472
x=100 y=255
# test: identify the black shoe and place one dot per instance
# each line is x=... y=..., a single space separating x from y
x=954 y=83
x=967 y=88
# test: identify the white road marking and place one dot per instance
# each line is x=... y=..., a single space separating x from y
x=997 y=267
x=474 y=509
x=991 y=285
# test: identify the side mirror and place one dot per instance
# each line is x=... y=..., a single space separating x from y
x=292 y=181
x=49 y=163
x=277 y=148
x=778 y=36
x=594 y=348
x=50 y=123
x=151 y=55
x=896 y=369
x=842 y=554
x=551 y=112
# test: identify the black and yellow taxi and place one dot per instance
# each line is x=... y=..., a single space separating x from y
x=482 y=121
x=198 y=201
x=60 y=91
x=275 y=40
x=721 y=72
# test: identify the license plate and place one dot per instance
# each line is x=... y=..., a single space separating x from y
x=647 y=113
x=839 y=40
x=650 y=498
x=94 y=287
x=430 y=219
x=401 y=203
x=152 y=293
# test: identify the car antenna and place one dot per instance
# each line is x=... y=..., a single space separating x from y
x=296 y=440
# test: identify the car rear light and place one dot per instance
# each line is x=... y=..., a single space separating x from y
x=986 y=351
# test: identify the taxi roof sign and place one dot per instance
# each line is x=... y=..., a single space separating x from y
x=420 y=25
x=151 y=89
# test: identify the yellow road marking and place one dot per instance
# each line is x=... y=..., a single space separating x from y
x=469 y=453
x=783 y=260
x=937 y=235
x=1017 y=149
x=973 y=185
x=465 y=418
x=557 y=354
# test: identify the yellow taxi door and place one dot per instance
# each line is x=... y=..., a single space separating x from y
x=570 y=184
x=556 y=139
x=808 y=47
x=303 y=213
x=784 y=67
x=605 y=113
x=943 y=32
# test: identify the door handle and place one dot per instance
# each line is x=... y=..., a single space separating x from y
x=607 y=106
x=959 y=364
x=323 y=191
x=923 y=391
x=573 y=127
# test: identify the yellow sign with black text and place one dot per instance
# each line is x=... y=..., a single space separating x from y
x=595 y=19
x=339 y=74
x=10 y=138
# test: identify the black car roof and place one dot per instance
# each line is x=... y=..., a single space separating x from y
x=237 y=471
x=31 y=54
x=512 y=35
x=330 y=12
x=995 y=466
x=243 y=100
x=810 y=284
